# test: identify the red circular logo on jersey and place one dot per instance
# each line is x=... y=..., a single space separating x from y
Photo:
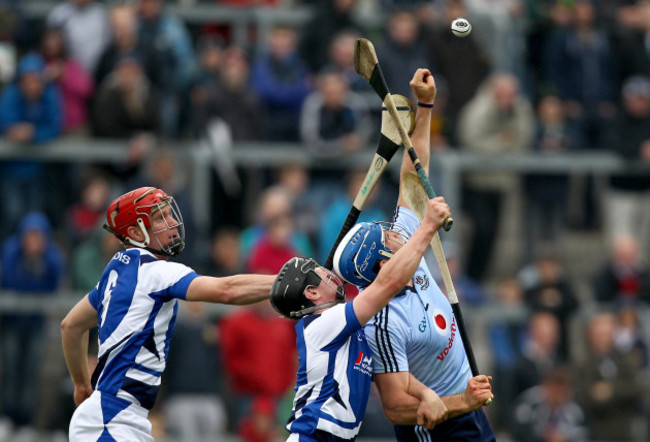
x=440 y=321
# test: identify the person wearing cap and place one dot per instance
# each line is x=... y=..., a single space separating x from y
x=134 y=304
x=32 y=265
x=30 y=108
x=31 y=112
x=627 y=201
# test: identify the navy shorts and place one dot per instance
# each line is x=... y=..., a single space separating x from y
x=472 y=426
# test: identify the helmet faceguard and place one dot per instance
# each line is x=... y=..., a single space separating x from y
x=357 y=257
x=297 y=275
x=148 y=208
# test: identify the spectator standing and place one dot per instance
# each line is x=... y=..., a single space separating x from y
x=334 y=121
x=162 y=33
x=461 y=62
x=274 y=248
x=631 y=42
x=498 y=120
x=401 y=44
x=539 y=352
x=75 y=83
x=506 y=336
x=548 y=289
x=30 y=112
x=628 y=197
x=281 y=79
x=88 y=258
x=224 y=92
x=85 y=215
x=341 y=58
x=328 y=20
x=546 y=196
x=274 y=202
x=609 y=390
x=548 y=412
x=259 y=353
x=126 y=42
x=578 y=60
x=123 y=109
x=624 y=277
x=85 y=27
x=629 y=336
x=225 y=256
x=32 y=264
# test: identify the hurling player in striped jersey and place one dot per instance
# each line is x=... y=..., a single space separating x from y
x=135 y=304
x=334 y=360
x=415 y=338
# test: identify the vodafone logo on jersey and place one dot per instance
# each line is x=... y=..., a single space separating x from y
x=440 y=322
x=445 y=327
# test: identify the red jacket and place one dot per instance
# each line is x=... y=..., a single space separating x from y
x=259 y=351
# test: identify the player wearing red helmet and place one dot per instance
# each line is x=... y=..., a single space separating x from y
x=134 y=304
x=131 y=216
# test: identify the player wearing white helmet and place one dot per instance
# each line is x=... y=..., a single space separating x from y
x=414 y=339
x=135 y=304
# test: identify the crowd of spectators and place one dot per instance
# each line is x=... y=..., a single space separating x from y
x=535 y=76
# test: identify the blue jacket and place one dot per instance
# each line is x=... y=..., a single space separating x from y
x=46 y=114
x=23 y=276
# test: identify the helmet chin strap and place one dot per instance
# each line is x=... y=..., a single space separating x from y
x=175 y=247
x=340 y=298
x=300 y=313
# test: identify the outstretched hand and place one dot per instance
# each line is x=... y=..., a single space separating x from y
x=478 y=391
x=423 y=86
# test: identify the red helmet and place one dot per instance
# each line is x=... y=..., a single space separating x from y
x=135 y=209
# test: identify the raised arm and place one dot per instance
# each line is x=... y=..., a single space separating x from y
x=424 y=87
x=74 y=336
x=398 y=270
x=236 y=289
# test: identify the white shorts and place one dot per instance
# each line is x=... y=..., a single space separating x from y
x=105 y=414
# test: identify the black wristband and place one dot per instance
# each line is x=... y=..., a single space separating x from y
x=426 y=105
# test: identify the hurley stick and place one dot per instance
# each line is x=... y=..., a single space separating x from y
x=389 y=142
x=415 y=196
x=367 y=66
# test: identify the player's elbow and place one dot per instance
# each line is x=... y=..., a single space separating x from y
x=394 y=415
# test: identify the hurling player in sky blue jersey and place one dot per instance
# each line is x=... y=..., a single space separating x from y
x=135 y=304
x=415 y=338
x=334 y=361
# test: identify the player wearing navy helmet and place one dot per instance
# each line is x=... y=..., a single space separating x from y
x=334 y=360
x=135 y=304
x=415 y=339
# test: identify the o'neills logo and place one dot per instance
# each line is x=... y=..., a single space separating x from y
x=363 y=364
x=445 y=352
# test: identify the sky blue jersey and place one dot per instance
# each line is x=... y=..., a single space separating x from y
x=334 y=374
x=417 y=331
x=136 y=303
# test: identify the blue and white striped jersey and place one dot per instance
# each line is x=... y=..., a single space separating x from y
x=417 y=332
x=136 y=303
x=334 y=374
